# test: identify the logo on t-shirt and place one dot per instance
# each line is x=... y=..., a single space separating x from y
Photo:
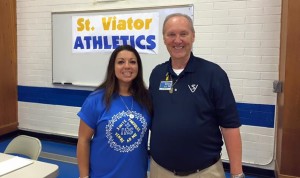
x=124 y=133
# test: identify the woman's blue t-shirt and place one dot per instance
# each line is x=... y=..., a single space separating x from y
x=119 y=145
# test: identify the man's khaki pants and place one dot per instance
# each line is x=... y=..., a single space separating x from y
x=214 y=171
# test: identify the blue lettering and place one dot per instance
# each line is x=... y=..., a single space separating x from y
x=115 y=41
x=88 y=41
x=112 y=42
x=97 y=42
x=124 y=39
x=139 y=40
x=132 y=43
x=78 y=43
x=106 y=45
x=151 y=41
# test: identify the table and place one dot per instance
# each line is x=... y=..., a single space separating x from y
x=37 y=169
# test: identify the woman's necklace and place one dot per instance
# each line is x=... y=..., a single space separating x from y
x=131 y=116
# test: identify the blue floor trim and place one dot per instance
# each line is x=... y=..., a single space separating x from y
x=261 y=115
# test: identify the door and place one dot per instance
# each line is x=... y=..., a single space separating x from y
x=288 y=102
x=8 y=67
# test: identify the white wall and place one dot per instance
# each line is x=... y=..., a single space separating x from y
x=240 y=35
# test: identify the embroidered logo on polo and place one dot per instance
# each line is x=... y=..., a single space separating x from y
x=193 y=87
x=124 y=134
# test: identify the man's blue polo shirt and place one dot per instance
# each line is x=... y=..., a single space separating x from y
x=185 y=130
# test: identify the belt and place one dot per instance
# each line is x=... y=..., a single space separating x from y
x=206 y=165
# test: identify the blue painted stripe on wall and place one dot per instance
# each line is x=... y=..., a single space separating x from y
x=261 y=115
x=55 y=96
x=256 y=114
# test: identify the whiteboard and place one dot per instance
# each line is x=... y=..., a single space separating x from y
x=89 y=69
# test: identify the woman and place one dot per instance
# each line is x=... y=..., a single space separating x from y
x=115 y=119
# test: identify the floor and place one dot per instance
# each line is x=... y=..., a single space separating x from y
x=64 y=155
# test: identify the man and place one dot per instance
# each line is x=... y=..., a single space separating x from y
x=193 y=107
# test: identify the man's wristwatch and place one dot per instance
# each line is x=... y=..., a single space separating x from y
x=241 y=175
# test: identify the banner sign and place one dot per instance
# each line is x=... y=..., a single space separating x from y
x=103 y=33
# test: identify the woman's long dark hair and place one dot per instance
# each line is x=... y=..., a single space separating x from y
x=137 y=88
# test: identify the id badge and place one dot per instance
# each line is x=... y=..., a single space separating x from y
x=165 y=85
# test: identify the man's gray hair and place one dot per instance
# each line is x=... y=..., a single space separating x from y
x=179 y=15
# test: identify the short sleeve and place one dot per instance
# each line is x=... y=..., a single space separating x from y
x=92 y=109
x=225 y=104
